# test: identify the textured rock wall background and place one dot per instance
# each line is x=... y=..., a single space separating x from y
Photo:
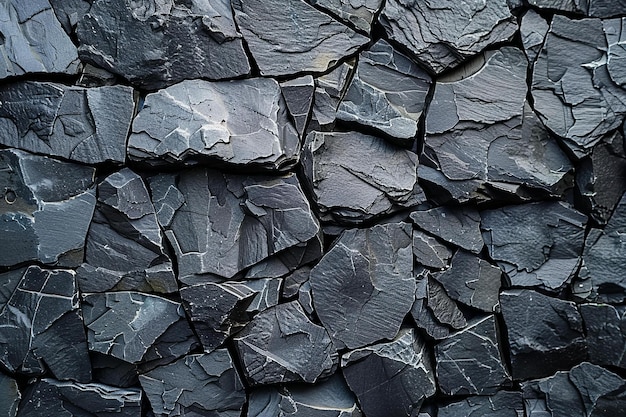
x=321 y=208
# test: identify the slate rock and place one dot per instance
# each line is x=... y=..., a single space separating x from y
x=375 y=177
x=41 y=327
x=423 y=310
x=33 y=40
x=457 y=225
x=329 y=89
x=10 y=396
x=470 y=361
x=536 y=244
x=112 y=371
x=472 y=281
x=241 y=122
x=87 y=125
x=533 y=30
x=391 y=378
x=605 y=328
x=283 y=262
x=71 y=399
x=501 y=404
x=281 y=344
x=330 y=397
x=444 y=309
x=360 y=13
x=430 y=251
x=124 y=249
x=443 y=34
x=294 y=281
x=202 y=384
x=69 y=12
x=594 y=8
x=298 y=94
x=363 y=287
x=162 y=43
x=545 y=334
x=222 y=223
x=301 y=39
x=387 y=93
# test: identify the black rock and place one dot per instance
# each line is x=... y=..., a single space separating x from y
x=429 y=251
x=535 y=244
x=69 y=12
x=41 y=327
x=360 y=13
x=33 y=40
x=470 y=361
x=294 y=281
x=459 y=226
x=163 y=44
x=605 y=328
x=375 y=177
x=329 y=89
x=124 y=249
x=81 y=124
x=502 y=404
x=533 y=30
x=112 y=371
x=391 y=378
x=9 y=396
x=282 y=345
x=445 y=33
x=387 y=92
x=545 y=334
x=298 y=94
x=423 y=314
x=49 y=397
x=364 y=286
x=330 y=397
x=301 y=39
x=242 y=122
x=594 y=8
x=203 y=384
x=444 y=309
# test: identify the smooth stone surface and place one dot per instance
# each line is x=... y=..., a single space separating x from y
x=457 y=225
x=298 y=94
x=430 y=251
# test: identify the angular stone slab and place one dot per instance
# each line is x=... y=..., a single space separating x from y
x=459 y=226
x=301 y=39
x=10 y=396
x=329 y=89
x=605 y=327
x=359 y=13
x=502 y=404
x=242 y=122
x=425 y=311
x=533 y=30
x=364 y=286
x=429 y=251
x=593 y=8
x=298 y=94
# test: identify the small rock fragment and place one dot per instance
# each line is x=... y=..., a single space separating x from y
x=429 y=251
x=329 y=89
x=459 y=226
x=605 y=327
x=10 y=396
x=444 y=309
x=502 y=404
x=298 y=94
x=593 y=8
x=359 y=13
x=423 y=314
x=533 y=29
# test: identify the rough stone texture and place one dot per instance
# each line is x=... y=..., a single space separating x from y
x=594 y=8
x=545 y=334
x=429 y=251
x=329 y=89
x=424 y=314
x=33 y=40
x=81 y=124
x=463 y=28
x=69 y=12
x=533 y=29
x=203 y=384
x=157 y=44
x=390 y=378
x=459 y=226
x=242 y=122
x=363 y=287
x=536 y=244
x=359 y=13
x=387 y=92
x=298 y=94
x=502 y=404
x=605 y=329
x=281 y=345
x=9 y=396
x=302 y=38
x=374 y=176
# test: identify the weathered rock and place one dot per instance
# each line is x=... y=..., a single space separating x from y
x=459 y=226
x=301 y=39
x=594 y=8
x=374 y=176
x=242 y=122
x=359 y=13
x=535 y=244
x=502 y=404
x=329 y=89
x=10 y=396
x=387 y=92
x=294 y=281
x=443 y=307
x=364 y=286
x=423 y=313
x=282 y=345
x=391 y=378
x=70 y=399
x=533 y=29
x=429 y=251
x=545 y=334
x=162 y=43
x=443 y=34
x=298 y=94
x=69 y=12
x=605 y=328
x=203 y=384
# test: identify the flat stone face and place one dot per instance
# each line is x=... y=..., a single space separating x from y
x=533 y=29
x=359 y=13
x=463 y=29
x=593 y=8
x=298 y=94
x=329 y=89
x=502 y=404
x=459 y=226
x=161 y=45
x=9 y=396
x=302 y=38
x=605 y=327
x=430 y=251
x=243 y=122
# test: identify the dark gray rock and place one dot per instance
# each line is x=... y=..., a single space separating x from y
x=112 y=371
x=281 y=344
x=444 y=309
x=221 y=223
x=203 y=384
x=593 y=8
x=387 y=92
x=328 y=398
x=429 y=251
x=329 y=89
x=301 y=39
x=49 y=397
x=364 y=286
x=69 y=12
x=242 y=122
x=359 y=13
x=533 y=30
x=442 y=34
x=457 y=225
x=470 y=361
x=41 y=327
x=294 y=281
x=162 y=43
x=9 y=396
x=535 y=244
x=391 y=378
x=124 y=249
x=375 y=177
x=282 y=263
x=472 y=281
x=33 y=40
x=298 y=94
x=605 y=328
x=81 y=124
x=502 y=404
x=423 y=313
x=545 y=334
